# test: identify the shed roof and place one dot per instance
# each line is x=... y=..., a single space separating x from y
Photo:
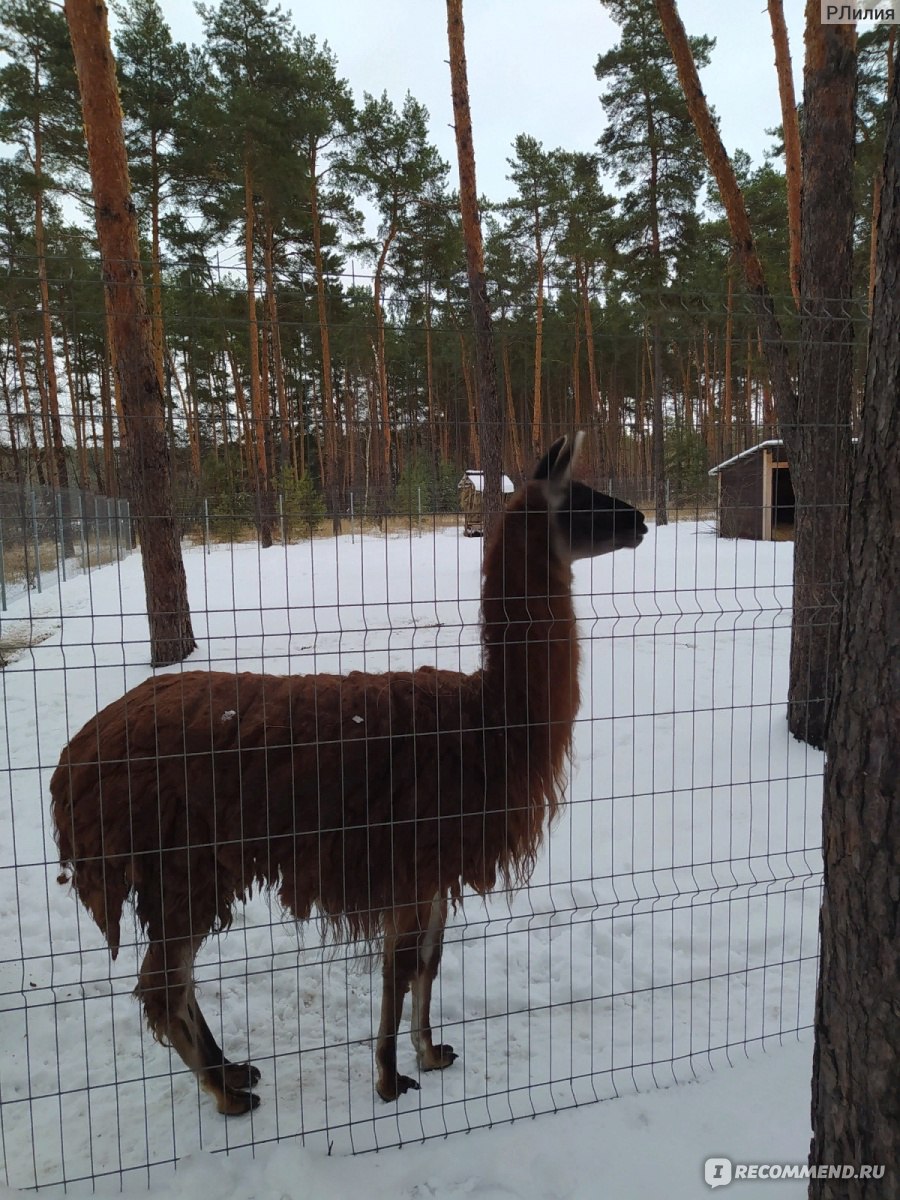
x=476 y=478
x=746 y=454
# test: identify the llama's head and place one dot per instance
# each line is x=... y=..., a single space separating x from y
x=587 y=523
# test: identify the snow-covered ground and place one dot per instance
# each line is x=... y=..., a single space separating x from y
x=669 y=928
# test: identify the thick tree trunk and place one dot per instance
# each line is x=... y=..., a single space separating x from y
x=150 y=485
x=490 y=411
x=855 y=1093
x=820 y=466
x=814 y=426
x=791 y=128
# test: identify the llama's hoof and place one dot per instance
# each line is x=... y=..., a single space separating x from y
x=401 y=1084
x=235 y=1103
x=439 y=1058
x=240 y=1076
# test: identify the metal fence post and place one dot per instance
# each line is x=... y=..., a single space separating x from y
x=206 y=540
x=352 y=530
x=97 y=529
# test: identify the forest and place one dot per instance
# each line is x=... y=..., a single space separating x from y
x=306 y=275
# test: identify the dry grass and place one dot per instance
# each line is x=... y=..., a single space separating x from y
x=19 y=563
x=231 y=530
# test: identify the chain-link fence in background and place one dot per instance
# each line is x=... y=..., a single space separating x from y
x=49 y=535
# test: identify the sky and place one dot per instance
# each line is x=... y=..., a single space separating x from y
x=531 y=66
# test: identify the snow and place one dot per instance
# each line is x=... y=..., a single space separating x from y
x=476 y=478
x=745 y=454
x=668 y=932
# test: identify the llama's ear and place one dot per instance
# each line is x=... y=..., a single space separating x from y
x=551 y=463
x=557 y=463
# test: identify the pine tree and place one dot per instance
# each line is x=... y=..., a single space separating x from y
x=154 y=75
x=650 y=143
x=490 y=414
x=39 y=114
x=171 y=636
x=395 y=166
x=244 y=116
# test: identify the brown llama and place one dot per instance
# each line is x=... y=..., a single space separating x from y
x=371 y=799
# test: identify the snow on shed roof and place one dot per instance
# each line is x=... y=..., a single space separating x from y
x=476 y=478
x=746 y=454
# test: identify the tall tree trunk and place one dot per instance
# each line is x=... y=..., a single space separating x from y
x=284 y=416
x=879 y=180
x=659 y=446
x=26 y=399
x=856 y=1065
x=11 y=424
x=171 y=636
x=791 y=128
x=774 y=346
x=490 y=411
x=259 y=406
x=815 y=427
x=537 y=412
x=155 y=256
x=659 y=424
x=728 y=390
x=60 y=474
x=511 y=421
x=190 y=416
x=381 y=356
x=330 y=469
x=77 y=422
x=820 y=469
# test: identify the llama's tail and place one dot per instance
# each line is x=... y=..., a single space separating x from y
x=101 y=876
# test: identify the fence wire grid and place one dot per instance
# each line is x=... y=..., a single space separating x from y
x=668 y=927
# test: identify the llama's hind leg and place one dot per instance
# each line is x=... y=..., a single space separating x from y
x=236 y=1076
x=399 y=967
x=429 y=1056
x=166 y=990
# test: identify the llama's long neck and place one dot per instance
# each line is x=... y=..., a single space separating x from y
x=530 y=676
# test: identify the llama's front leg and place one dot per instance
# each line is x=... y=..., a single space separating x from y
x=400 y=953
x=429 y=1056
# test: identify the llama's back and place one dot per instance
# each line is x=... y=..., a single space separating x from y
x=352 y=794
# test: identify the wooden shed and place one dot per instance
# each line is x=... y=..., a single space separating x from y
x=756 y=495
x=470 y=489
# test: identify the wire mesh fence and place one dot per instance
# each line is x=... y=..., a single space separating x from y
x=669 y=923
x=47 y=535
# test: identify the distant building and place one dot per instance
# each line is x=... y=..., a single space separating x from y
x=756 y=495
x=470 y=488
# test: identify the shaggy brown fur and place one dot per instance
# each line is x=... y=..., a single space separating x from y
x=368 y=798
